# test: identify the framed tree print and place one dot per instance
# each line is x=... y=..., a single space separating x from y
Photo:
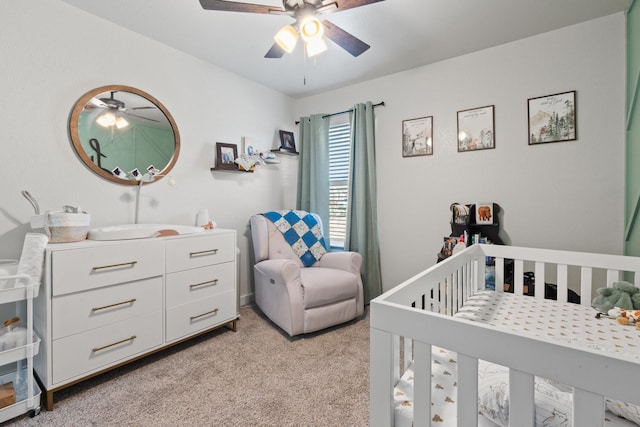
x=552 y=118
x=417 y=137
x=475 y=129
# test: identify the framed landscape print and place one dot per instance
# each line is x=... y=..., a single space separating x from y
x=475 y=129
x=552 y=118
x=417 y=137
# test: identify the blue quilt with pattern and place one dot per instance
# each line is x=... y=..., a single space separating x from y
x=302 y=232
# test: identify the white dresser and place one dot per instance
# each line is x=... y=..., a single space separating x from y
x=107 y=303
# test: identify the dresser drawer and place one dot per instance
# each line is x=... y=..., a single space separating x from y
x=190 y=285
x=82 y=311
x=210 y=248
x=80 y=354
x=190 y=318
x=87 y=268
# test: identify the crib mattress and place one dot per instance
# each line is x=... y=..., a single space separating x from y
x=570 y=323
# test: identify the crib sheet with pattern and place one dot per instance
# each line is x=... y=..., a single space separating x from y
x=570 y=323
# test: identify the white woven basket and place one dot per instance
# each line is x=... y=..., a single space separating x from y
x=62 y=227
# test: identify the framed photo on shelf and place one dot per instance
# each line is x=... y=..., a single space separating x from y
x=484 y=213
x=552 y=118
x=417 y=137
x=476 y=129
x=287 y=142
x=226 y=154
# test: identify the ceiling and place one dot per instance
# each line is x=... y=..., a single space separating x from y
x=403 y=34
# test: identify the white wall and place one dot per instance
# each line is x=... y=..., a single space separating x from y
x=565 y=195
x=53 y=53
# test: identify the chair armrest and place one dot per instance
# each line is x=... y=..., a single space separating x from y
x=347 y=261
x=279 y=270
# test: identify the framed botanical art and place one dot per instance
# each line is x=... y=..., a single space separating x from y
x=552 y=118
x=226 y=154
x=476 y=129
x=417 y=137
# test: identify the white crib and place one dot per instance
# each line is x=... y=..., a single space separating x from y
x=420 y=312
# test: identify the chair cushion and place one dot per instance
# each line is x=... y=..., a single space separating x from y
x=323 y=286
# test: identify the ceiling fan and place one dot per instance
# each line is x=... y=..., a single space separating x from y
x=113 y=105
x=310 y=28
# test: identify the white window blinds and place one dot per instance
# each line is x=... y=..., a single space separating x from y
x=339 y=158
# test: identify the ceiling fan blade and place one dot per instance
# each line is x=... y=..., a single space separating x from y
x=347 y=41
x=275 y=52
x=233 y=6
x=143 y=108
x=347 y=4
x=142 y=117
x=95 y=102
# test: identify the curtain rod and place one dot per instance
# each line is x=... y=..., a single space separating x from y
x=379 y=104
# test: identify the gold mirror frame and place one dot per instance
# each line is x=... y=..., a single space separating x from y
x=80 y=106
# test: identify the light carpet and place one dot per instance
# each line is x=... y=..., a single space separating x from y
x=257 y=376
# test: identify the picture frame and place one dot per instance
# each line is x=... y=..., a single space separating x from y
x=287 y=142
x=417 y=137
x=226 y=154
x=476 y=129
x=552 y=118
x=484 y=213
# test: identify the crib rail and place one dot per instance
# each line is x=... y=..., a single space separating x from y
x=407 y=320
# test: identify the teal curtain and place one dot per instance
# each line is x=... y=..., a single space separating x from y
x=313 y=168
x=362 y=221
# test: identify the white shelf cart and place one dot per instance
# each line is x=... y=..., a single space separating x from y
x=20 y=290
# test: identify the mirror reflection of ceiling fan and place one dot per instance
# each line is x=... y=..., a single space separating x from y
x=307 y=25
x=115 y=111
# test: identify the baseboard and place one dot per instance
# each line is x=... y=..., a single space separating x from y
x=246 y=299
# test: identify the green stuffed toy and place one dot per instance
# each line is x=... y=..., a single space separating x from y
x=623 y=295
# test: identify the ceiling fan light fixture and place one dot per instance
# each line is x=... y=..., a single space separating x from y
x=121 y=122
x=106 y=120
x=311 y=28
x=109 y=119
x=315 y=47
x=287 y=38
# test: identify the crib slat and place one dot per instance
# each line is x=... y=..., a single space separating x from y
x=586 y=285
x=518 y=271
x=467 y=391
x=422 y=384
x=499 y=274
x=521 y=402
x=563 y=277
x=588 y=408
x=407 y=353
x=539 y=280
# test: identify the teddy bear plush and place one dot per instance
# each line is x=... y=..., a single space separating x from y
x=623 y=295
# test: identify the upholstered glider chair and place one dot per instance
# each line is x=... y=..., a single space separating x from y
x=303 y=290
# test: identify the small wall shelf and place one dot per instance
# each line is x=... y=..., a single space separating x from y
x=281 y=151
x=230 y=170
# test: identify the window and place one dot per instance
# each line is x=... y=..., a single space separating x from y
x=339 y=158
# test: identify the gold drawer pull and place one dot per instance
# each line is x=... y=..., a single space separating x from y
x=204 y=314
x=210 y=282
x=102 y=267
x=207 y=252
x=131 y=338
x=131 y=301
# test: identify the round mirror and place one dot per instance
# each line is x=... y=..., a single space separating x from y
x=122 y=133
